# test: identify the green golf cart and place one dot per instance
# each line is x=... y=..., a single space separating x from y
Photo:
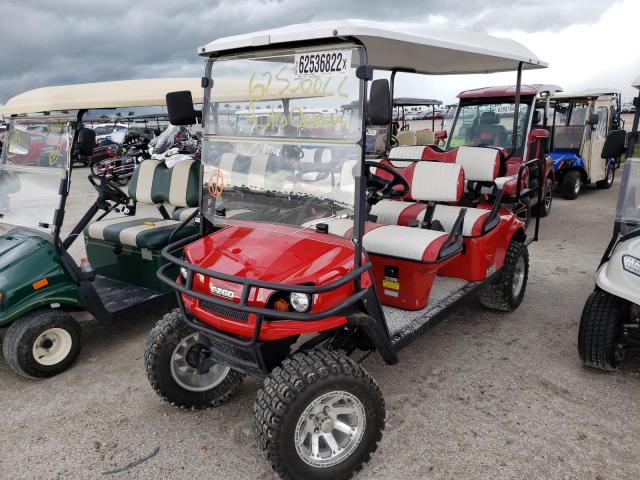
x=41 y=281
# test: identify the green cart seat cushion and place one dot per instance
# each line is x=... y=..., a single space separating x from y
x=149 y=233
x=153 y=182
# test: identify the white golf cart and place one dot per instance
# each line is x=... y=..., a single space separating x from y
x=610 y=323
x=582 y=122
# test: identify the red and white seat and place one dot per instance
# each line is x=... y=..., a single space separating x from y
x=428 y=184
x=432 y=181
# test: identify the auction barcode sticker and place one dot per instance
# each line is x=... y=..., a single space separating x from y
x=322 y=63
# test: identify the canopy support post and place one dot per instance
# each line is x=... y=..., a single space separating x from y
x=516 y=110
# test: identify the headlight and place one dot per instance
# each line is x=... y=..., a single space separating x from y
x=301 y=302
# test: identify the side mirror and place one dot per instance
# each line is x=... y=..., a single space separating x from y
x=380 y=102
x=614 y=144
x=593 y=120
x=180 y=108
x=86 y=142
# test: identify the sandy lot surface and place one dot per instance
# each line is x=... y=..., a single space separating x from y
x=482 y=395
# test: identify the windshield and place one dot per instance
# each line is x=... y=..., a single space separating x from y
x=569 y=125
x=165 y=140
x=628 y=208
x=281 y=135
x=34 y=158
x=489 y=124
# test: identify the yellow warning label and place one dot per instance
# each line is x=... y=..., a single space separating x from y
x=391 y=284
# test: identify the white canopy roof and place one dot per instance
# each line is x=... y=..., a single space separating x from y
x=397 y=46
x=636 y=83
x=120 y=94
x=590 y=93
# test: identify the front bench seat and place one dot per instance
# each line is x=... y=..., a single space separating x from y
x=394 y=241
x=154 y=183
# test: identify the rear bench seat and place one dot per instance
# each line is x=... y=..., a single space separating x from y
x=153 y=183
x=425 y=182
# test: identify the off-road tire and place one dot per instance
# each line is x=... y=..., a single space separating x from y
x=599 y=330
x=161 y=343
x=605 y=184
x=568 y=184
x=287 y=391
x=542 y=209
x=18 y=342
x=498 y=294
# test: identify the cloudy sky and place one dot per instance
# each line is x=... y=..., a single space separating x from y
x=588 y=43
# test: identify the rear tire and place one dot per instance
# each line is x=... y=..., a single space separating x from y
x=608 y=181
x=171 y=350
x=307 y=404
x=600 y=330
x=506 y=291
x=571 y=185
x=42 y=343
x=547 y=199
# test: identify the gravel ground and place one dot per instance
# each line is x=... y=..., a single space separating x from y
x=482 y=395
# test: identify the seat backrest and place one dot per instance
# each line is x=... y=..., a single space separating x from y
x=426 y=137
x=155 y=183
x=404 y=156
x=480 y=164
x=435 y=181
x=406 y=137
x=259 y=172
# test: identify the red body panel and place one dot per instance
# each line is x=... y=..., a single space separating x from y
x=484 y=255
x=273 y=253
x=411 y=287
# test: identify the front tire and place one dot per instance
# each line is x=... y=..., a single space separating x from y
x=42 y=343
x=319 y=415
x=171 y=355
x=608 y=181
x=506 y=291
x=571 y=185
x=599 y=331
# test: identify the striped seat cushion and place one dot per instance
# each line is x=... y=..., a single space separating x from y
x=392 y=212
x=148 y=233
x=390 y=240
x=153 y=182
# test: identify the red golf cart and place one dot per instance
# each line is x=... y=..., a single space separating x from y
x=518 y=128
x=308 y=253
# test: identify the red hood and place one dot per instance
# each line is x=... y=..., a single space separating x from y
x=273 y=253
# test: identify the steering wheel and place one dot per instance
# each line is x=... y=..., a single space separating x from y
x=379 y=187
x=108 y=190
x=394 y=142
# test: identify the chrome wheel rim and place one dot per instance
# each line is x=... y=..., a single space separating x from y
x=330 y=429
x=52 y=346
x=610 y=175
x=518 y=277
x=577 y=185
x=184 y=370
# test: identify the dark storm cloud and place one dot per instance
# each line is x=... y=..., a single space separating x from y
x=67 y=41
